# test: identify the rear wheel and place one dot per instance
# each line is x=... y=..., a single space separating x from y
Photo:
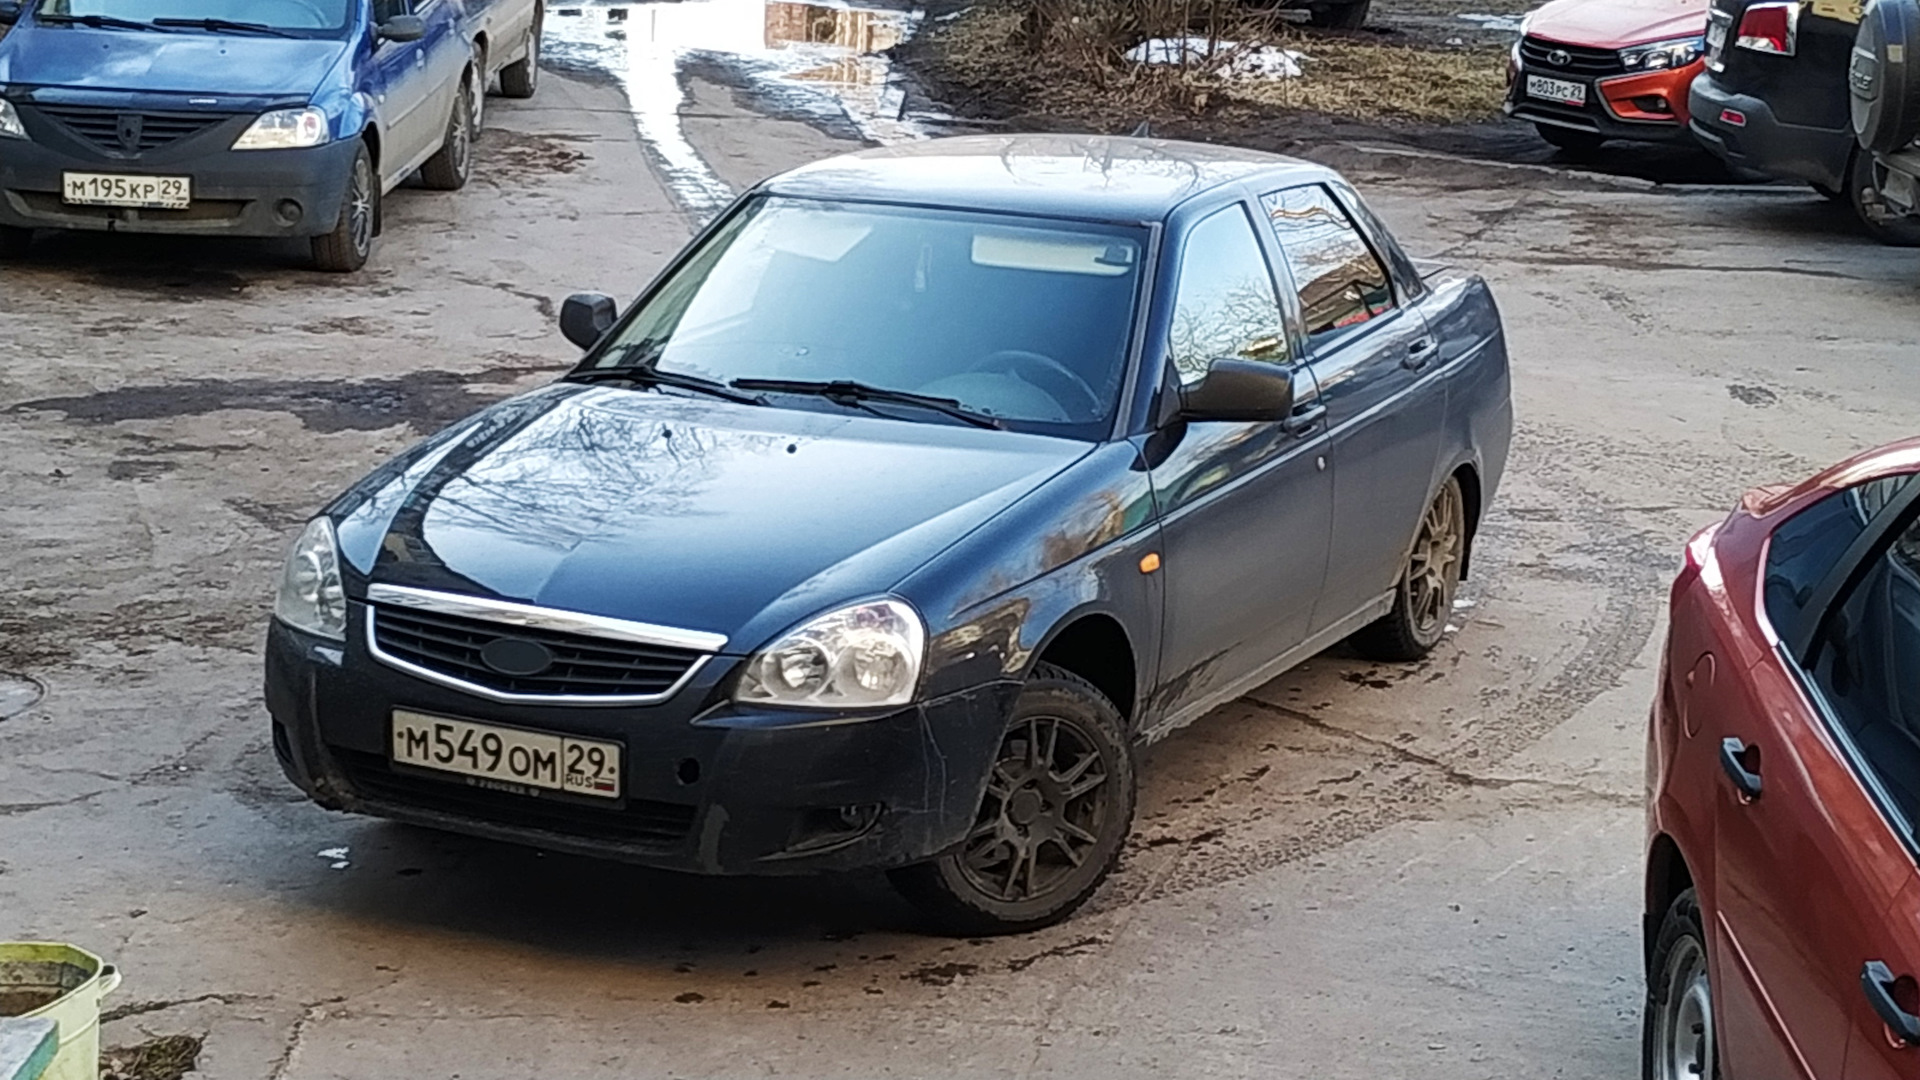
x=14 y=242
x=1677 y=1040
x=1865 y=180
x=1423 y=600
x=521 y=78
x=346 y=248
x=1572 y=140
x=452 y=167
x=1349 y=16
x=1057 y=808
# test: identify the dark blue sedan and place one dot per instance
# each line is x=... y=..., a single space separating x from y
x=924 y=487
x=265 y=118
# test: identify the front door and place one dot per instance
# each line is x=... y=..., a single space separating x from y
x=1370 y=351
x=1246 y=507
x=402 y=87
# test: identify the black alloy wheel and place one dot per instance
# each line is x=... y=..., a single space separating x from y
x=348 y=246
x=1055 y=814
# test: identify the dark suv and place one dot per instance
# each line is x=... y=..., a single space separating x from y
x=1774 y=98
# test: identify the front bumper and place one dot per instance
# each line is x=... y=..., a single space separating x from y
x=1764 y=144
x=1647 y=107
x=258 y=193
x=709 y=787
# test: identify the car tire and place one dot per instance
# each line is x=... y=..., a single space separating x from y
x=1880 y=222
x=1572 y=140
x=1349 y=16
x=348 y=246
x=452 y=166
x=1677 y=1040
x=14 y=242
x=521 y=78
x=1423 y=597
x=1046 y=833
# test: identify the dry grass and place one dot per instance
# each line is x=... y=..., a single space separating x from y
x=169 y=1057
x=1069 y=65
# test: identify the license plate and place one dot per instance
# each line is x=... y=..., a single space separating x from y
x=1560 y=90
x=1716 y=35
x=508 y=756
x=139 y=192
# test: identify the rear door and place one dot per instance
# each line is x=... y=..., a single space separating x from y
x=1805 y=864
x=1373 y=357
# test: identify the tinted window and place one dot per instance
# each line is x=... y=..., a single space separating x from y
x=1810 y=543
x=1341 y=282
x=1868 y=668
x=1225 y=306
x=1404 y=272
x=1023 y=318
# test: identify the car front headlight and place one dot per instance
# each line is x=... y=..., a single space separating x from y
x=311 y=597
x=287 y=129
x=1661 y=55
x=859 y=657
x=10 y=125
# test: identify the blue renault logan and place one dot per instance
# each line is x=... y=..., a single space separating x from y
x=925 y=486
x=264 y=118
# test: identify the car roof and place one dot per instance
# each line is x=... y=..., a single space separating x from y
x=1890 y=460
x=1081 y=176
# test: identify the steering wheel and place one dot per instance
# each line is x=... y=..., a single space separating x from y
x=1046 y=373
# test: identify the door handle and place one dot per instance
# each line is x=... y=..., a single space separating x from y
x=1732 y=750
x=1419 y=353
x=1877 y=979
x=1303 y=420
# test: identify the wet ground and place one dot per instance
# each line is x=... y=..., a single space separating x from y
x=1358 y=870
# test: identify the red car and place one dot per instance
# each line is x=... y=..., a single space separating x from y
x=1783 y=770
x=1585 y=71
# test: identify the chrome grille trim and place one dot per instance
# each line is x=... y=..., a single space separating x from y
x=508 y=613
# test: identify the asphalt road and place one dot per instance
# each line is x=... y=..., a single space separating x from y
x=1359 y=870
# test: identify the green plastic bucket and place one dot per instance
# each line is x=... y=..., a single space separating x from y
x=63 y=984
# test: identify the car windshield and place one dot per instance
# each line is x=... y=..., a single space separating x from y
x=1023 y=320
x=296 y=16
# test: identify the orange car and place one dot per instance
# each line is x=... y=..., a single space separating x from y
x=1585 y=71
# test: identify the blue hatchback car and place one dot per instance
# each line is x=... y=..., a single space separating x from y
x=920 y=490
x=264 y=118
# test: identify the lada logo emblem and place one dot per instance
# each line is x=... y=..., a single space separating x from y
x=516 y=656
x=1559 y=58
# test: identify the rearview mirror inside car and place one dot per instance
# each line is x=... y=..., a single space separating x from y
x=586 y=317
x=1236 y=389
x=404 y=28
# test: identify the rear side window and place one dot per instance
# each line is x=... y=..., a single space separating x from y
x=1868 y=668
x=1342 y=283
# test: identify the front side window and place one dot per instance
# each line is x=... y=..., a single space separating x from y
x=1225 y=305
x=292 y=16
x=1867 y=666
x=1026 y=320
x=1341 y=282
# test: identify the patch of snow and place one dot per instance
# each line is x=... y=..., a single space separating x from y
x=1509 y=24
x=1234 y=59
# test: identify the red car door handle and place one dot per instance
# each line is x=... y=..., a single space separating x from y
x=1733 y=758
x=1877 y=979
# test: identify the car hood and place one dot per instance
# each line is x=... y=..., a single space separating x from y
x=1613 y=24
x=733 y=519
x=187 y=63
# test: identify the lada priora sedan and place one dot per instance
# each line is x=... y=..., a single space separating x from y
x=925 y=486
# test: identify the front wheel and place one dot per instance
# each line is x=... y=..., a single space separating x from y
x=1865 y=180
x=1677 y=1036
x=452 y=167
x=1057 y=808
x=1423 y=598
x=346 y=248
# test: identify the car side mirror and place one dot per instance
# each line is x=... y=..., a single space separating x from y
x=585 y=318
x=403 y=28
x=1236 y=389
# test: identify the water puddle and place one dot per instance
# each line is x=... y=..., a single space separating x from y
x=18 y=693
x=818 y=60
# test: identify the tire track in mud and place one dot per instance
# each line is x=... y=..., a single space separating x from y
x=1629 y=574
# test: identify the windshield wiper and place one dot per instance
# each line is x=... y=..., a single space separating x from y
x=844 y=390
x=98 y=22
x=227 y=25
x=652 y=376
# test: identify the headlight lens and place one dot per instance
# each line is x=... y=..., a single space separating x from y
x=287 y=129
x=860 y=657
x=10 y=125
x=1663 y=54
x=311 y=598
